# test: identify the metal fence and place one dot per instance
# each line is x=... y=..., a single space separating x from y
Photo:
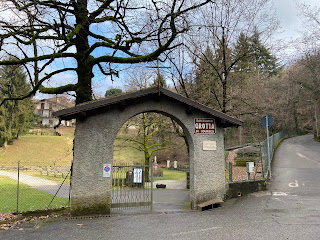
x=132 y=186
x=273 y=143
x=25 y=188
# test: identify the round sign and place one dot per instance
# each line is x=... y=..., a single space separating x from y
x=106 y=169
x=267 y=120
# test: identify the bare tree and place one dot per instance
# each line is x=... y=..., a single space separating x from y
x=138 y=78
x=81 y=36
x=310 y=16
x=221 y=25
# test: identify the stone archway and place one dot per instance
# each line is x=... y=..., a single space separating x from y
x=98 y=124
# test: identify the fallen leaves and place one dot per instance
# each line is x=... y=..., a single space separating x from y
x=9 y=221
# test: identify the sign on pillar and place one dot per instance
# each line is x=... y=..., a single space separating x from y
x=106 y=170
x=204 y=126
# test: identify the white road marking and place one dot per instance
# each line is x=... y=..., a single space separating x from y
x=301 y=155
x=294 y=184
x=196 y=231
x=279 y=194
x=282 y=194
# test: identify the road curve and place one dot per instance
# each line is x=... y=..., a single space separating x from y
x=295 y=182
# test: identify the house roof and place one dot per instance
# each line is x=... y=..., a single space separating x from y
x=62 y=101
x=122 y=100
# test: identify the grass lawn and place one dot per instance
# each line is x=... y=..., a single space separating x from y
x=29 y=199
x=43 y=151
x=125 y=154
x=171 y=175
x=33 y=150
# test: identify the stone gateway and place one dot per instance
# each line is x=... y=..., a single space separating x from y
x=98 y=123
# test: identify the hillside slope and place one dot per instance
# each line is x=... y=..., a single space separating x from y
x=33 y=150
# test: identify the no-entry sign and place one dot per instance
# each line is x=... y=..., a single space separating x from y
x=204 y=125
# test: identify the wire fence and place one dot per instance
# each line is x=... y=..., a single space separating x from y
x=25 y=188
x=238 y=157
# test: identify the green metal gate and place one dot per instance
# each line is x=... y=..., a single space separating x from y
x=131 y=188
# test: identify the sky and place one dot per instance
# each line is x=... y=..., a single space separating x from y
x=290 y=21
x=288 y=14
x=291 y=29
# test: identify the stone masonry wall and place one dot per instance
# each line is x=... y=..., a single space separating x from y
x=94 y=139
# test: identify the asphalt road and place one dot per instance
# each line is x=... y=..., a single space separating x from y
x=290 y=209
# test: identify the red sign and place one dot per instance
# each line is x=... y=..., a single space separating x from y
x=204 y=125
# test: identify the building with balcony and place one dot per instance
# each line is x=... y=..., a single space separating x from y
x=45 y=108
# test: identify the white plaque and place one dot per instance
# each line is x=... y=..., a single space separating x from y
x=137 y=175
x=106 y=170
x=250 y=167
x=209 y=145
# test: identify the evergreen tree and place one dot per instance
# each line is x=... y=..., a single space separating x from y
x=242 y=48
x=113 y=91
x=162 y=81
x=213 y=76
x=222 y=71
x=257 y=59
x=16 y=117
x=264 y=62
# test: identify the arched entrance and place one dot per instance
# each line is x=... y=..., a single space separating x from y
x=150 y=153
x=99 y=122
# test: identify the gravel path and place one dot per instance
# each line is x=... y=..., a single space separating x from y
x=42 y=184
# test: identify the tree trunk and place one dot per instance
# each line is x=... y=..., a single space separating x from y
x=147 y=170
x=145 y=147
x=224 y=96
x=84 y=68
x=84 y=92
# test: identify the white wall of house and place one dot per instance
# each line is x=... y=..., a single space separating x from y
x=45 y=108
